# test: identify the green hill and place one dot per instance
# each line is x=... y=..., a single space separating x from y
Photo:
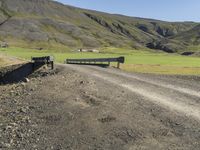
x=49 y=24
x=191 y=38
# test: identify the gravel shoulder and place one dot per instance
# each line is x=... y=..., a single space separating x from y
x=84 y=107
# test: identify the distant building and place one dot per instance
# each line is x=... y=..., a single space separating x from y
x=3 y=44
x=88 y=50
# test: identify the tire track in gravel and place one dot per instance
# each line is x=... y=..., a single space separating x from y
x=161 y=100
x=159 y=96
x=161 y=84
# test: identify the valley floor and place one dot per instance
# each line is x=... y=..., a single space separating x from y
x=89 y=107
x=135 y=60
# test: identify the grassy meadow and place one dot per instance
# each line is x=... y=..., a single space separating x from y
x=144 y=61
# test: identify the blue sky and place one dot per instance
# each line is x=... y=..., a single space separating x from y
x=169 y=10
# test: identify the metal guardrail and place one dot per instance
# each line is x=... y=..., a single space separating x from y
x=43 y=59
x=95 y=61
x=49 y=60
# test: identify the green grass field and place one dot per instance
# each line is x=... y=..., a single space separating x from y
x=136 y=60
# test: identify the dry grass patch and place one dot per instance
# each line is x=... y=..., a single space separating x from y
x=8 y=60
x=161 y=69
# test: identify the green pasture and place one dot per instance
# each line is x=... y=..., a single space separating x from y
x=136 y=60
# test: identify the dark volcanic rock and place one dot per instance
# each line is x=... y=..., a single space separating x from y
x=159 y=46
x=187 y=53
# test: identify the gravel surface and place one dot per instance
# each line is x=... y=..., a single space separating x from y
x=86 y=107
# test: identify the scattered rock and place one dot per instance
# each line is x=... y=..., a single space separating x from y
x=26 y=80
x=23 y=84
x=23 y=109
x=7 y=145
x=107 y=119
x=91 y=100
x=8 y=128
x=82 y=82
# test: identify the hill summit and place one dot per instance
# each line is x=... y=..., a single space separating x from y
x=49 y=24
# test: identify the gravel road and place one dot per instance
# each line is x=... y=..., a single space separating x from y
x=87 y=107
x=181 y=96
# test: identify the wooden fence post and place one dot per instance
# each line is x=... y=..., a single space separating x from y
x=118 y=65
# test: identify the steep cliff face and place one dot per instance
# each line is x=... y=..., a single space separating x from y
x=48 y=23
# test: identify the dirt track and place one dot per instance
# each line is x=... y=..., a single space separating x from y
x=87 y=107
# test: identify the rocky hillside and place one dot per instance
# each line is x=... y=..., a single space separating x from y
x=49 y=24
x=192 y=36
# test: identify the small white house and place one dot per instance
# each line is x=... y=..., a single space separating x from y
x=3 y=44
x=88 y=50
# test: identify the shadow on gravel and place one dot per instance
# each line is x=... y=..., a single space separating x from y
x=19 y=74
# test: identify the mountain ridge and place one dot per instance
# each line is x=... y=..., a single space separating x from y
x=50 y=24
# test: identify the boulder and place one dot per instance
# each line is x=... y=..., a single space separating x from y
x=187 y=53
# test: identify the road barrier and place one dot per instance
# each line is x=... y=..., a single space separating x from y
x=96 y=61
x=49 y=60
